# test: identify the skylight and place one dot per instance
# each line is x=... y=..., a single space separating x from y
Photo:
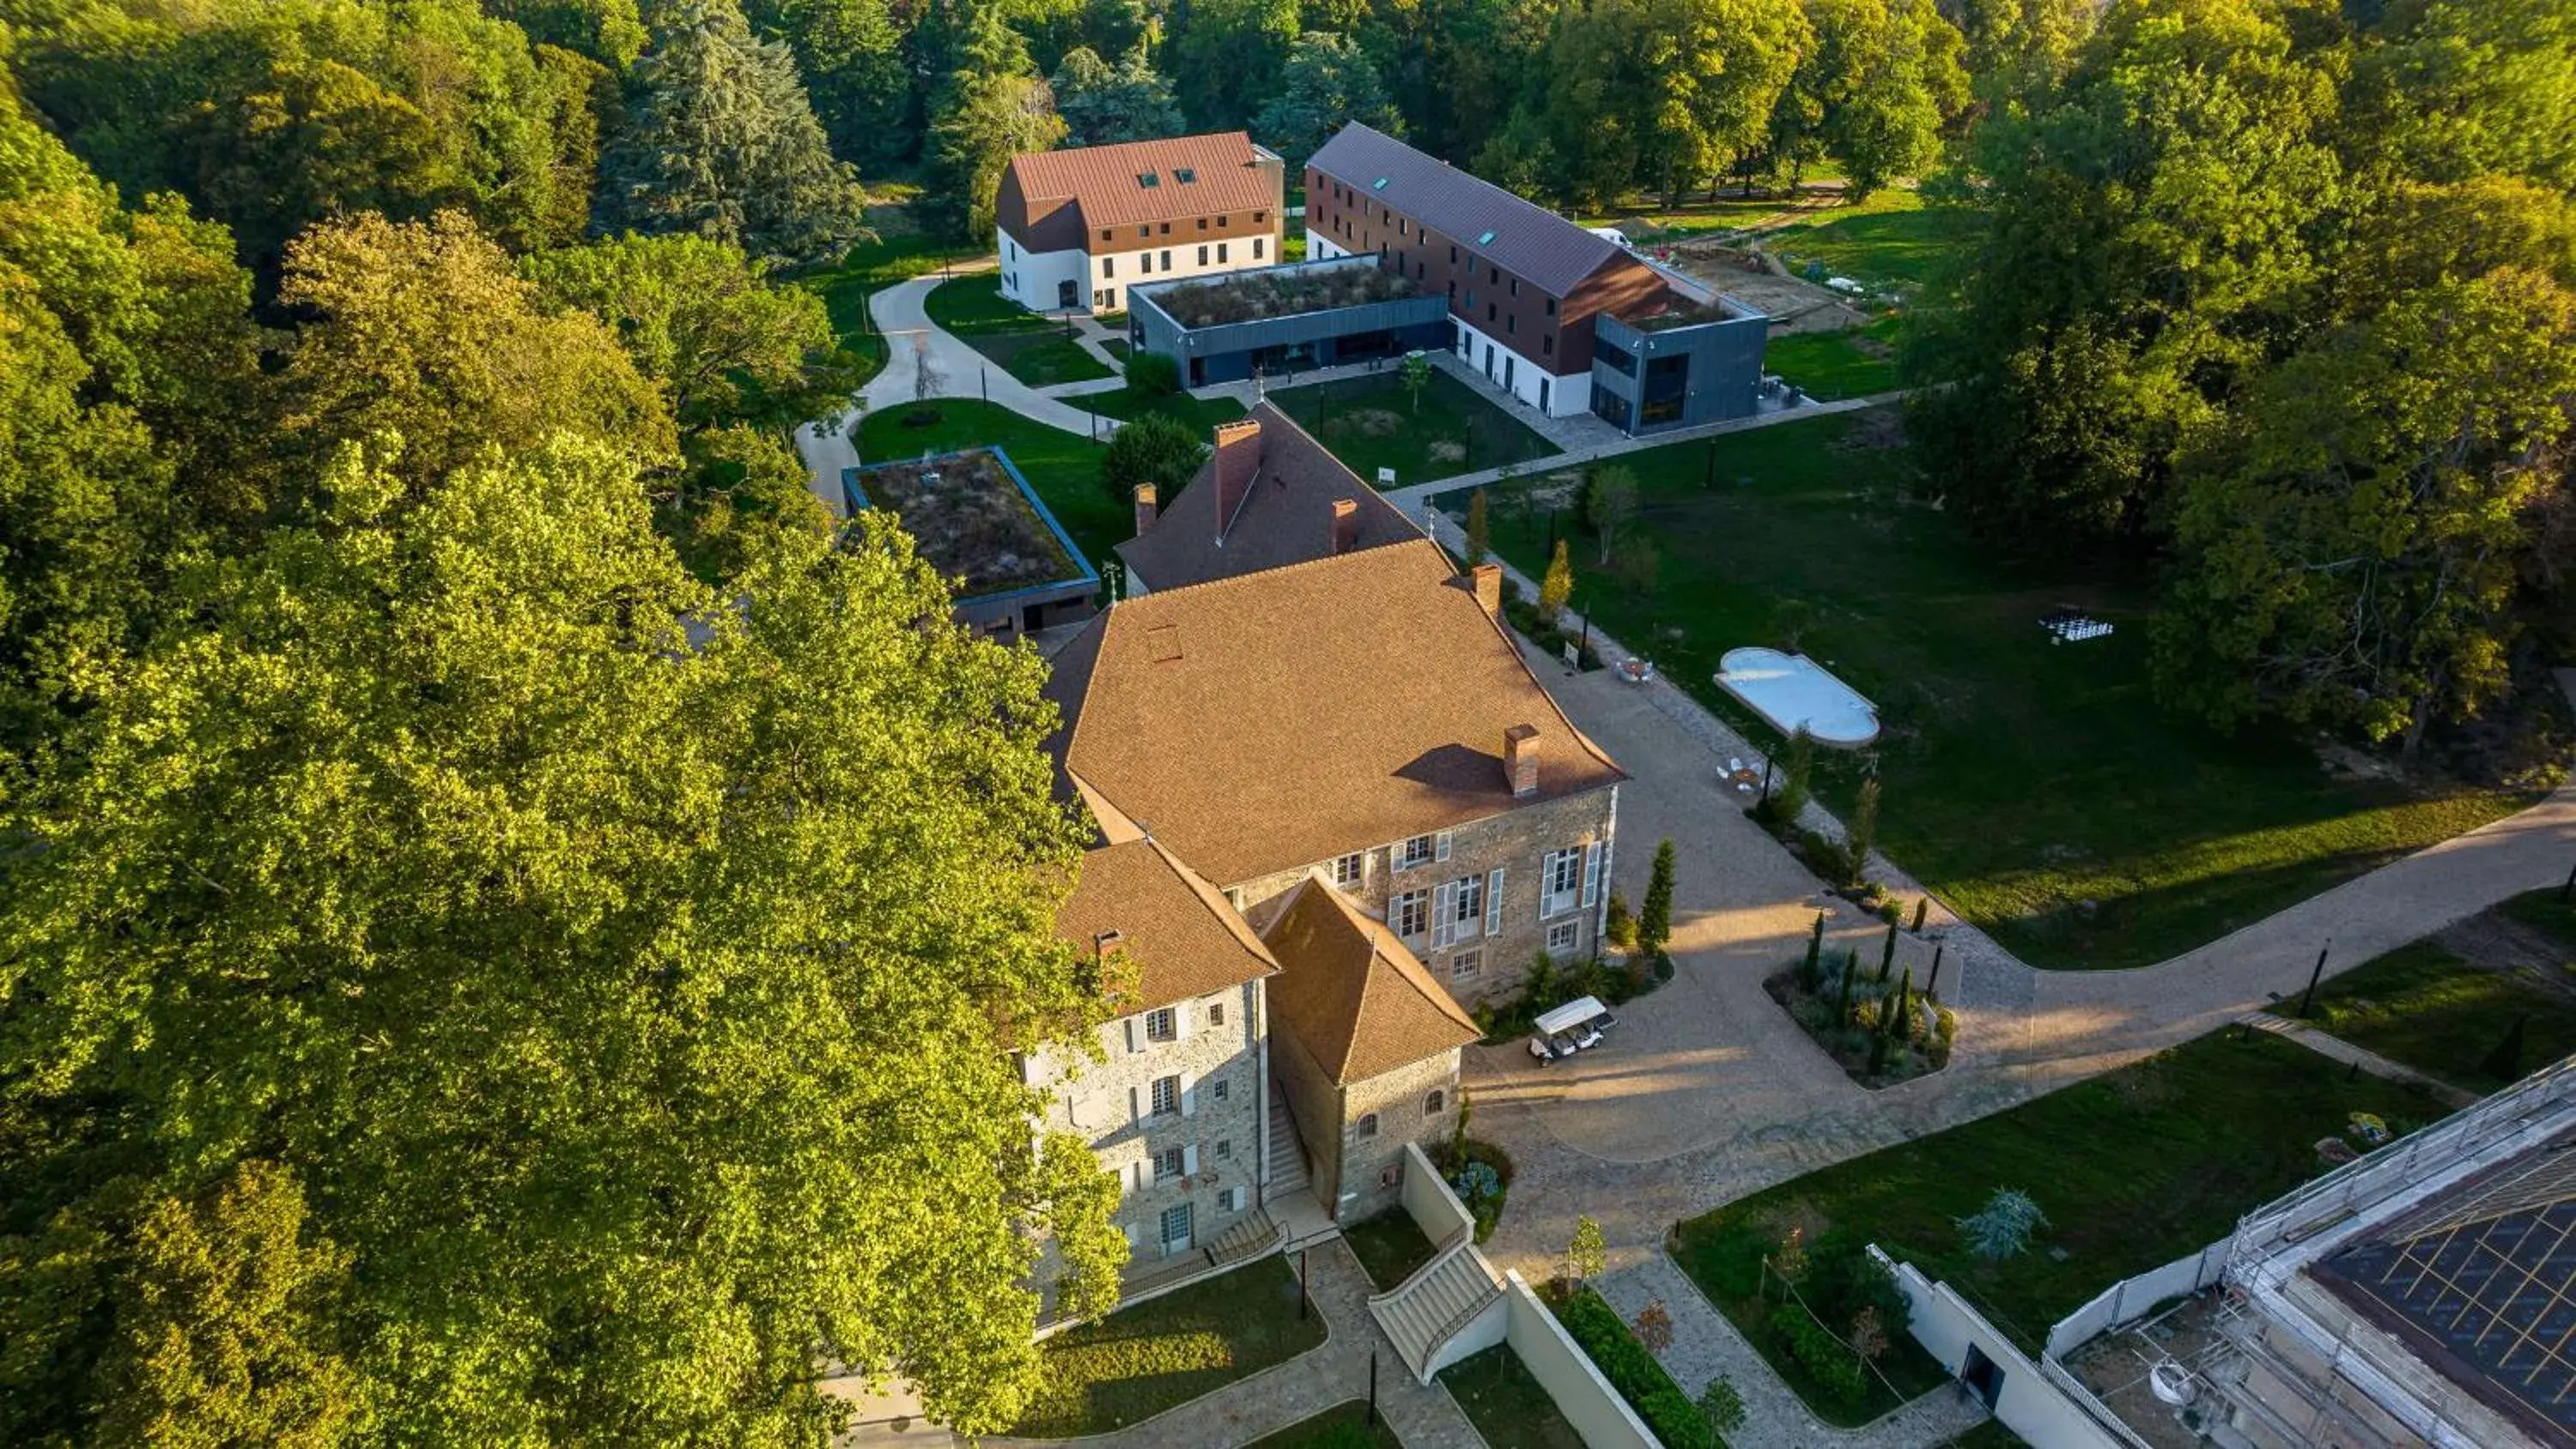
x=1378 y=185
x=1148 y=180
x=1486 y=240
x=1185 y=175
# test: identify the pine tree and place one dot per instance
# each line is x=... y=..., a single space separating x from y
x=1655 y=922
x=1842 y=1005
x=1812 y=971
x=723 y=143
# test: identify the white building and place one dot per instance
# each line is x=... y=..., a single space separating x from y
x=1074 y=228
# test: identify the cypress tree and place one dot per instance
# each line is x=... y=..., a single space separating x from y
x=1900 y=1021
x=1842 y=1006
x=1812 y=971
x=1887 y=954
x=1655 y=921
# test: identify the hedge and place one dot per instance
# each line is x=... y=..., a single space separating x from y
x=1635 y=1374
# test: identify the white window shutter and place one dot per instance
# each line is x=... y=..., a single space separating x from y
x=1591 y=872
x=1181 y=1027
x=1444 y=900
x=1440 y=846
x=1190 y=1160
x=1140 y=1177
x=1494 y=902
x=1189 y=1094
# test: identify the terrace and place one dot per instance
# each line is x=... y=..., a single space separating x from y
x=1671 y=309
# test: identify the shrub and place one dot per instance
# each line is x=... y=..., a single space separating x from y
x=1631 y=1370
x=2003 y=1227
x=1835 y=1368
x=1153 y=374
x=1621 y=927
x=1460 y=1157
x=1153 y=449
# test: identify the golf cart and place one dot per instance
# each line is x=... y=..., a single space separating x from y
x=1567 y=1029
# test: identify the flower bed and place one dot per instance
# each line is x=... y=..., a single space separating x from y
x=1481 y=1174
x=1847 y=1009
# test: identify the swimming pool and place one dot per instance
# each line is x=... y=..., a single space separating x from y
x=1791 y=690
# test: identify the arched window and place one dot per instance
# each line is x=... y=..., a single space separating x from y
x=1432 y=1104
x=1368 y=1125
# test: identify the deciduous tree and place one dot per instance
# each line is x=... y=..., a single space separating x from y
x=1104 y=104
x=1326 y=81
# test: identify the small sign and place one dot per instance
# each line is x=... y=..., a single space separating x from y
x=1573 y=655
x=1386 y=477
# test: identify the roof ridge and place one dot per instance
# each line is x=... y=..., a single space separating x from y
x=1270 y=573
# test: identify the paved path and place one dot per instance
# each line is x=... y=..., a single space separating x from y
x=1269 y=1401
x=1713 y=1093
x=1706 y=1347
x=2335 y=1048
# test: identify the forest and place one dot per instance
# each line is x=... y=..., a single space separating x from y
x=429 y=1014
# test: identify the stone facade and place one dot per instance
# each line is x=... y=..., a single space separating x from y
x=1485 y=959
x=1202 y=1149
x=1350 y=1165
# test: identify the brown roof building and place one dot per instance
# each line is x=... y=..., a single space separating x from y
x=1360 y=1003
x=1563 y=319
x=1268 y=496
x=1136 y=899
x=1075 y=227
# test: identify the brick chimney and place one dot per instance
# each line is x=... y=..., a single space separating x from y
x=1489 y=588
x=1346 y=524
x=1144 y=508
x=1238 y=458
x=1520 y=759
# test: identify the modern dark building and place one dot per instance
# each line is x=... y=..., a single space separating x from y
x=1287 y=319
x=977 y=521
x=1562 y=319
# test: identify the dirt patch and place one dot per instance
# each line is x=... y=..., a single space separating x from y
x=1374 y=422
x=1448 y=452
x=1792 y=303
x=1800 y=1216
x=1872 y=431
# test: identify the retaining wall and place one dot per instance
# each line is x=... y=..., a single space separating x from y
x=2034 y=1404
x=1568 y=1374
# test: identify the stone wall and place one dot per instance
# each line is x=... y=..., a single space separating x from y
x=1315 y=1105
x=1371 y=1171
x=1216 y=1124
x=1515 y=842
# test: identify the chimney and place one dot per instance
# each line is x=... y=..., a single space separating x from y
x=1144 y=508
x=1489 y=588
x=1520 y=759
x=1346 y=524
x=1238 y=458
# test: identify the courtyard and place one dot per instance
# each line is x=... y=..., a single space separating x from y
x=1374 y=421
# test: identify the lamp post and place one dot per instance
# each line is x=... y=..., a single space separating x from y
x=2310 y=994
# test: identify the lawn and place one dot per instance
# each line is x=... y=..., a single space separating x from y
x=2134 y=1169
x=2039 y=790
x=1371 y=423
x=1507 y=1403
x=1028 y=347
x=1343 y=1426
x=1892 y=238
x=1063 y=467
x=1197 y=414
x=2426 y=1006
x=863 y=272
x=1165 y=1351
x=1832 y=366
x=1390 y=1248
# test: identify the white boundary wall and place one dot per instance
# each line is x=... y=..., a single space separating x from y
x=2031 y=1403
x=2130 y=1298
x=1567 y=1373
x=1429 y=1202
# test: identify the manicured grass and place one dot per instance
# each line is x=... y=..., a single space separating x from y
x=867 y=269
x=1390 y=1248
x=1836 y=365
x=968 y=305
x=2040 y=790
x=1507 y=1403
x=1343 y=1426
x=1893 y=237
x=1029 y=347
x=1115 y=347
x=2134 y=1169
x=2425 y=1006
x=1166 y=1351
x=1197 y=415
x=1063 y=467
x=1371 y=423
x=1989 y=1435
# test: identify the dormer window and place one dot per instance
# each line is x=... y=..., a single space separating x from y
x=1485 y=240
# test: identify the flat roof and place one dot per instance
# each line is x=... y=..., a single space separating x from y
x=1293 y=290
x=975 y=519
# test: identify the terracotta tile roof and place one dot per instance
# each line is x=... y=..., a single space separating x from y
x=1102 y=180
x=1286 y=517
x=1527 y=240
x=1352 y=995
x=1277 y=719
x=1184 y=938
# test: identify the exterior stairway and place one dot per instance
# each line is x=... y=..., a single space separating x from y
x=1251 y=1236
x=1287 y=1154
x=1436 y=1303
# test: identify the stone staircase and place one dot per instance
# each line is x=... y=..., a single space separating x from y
x=1287 y=1154
x=1252 y=1235
x=1436 y=1303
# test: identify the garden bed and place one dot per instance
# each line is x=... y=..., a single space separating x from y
x=1507 y=1403
x=1605 y=1338
x=1390 y=1248
x=971 y=520
x=1852 y=1013
x=1480 y=1173
x=1166 y=1351
x=1343 y=1426
x=1374 y=421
